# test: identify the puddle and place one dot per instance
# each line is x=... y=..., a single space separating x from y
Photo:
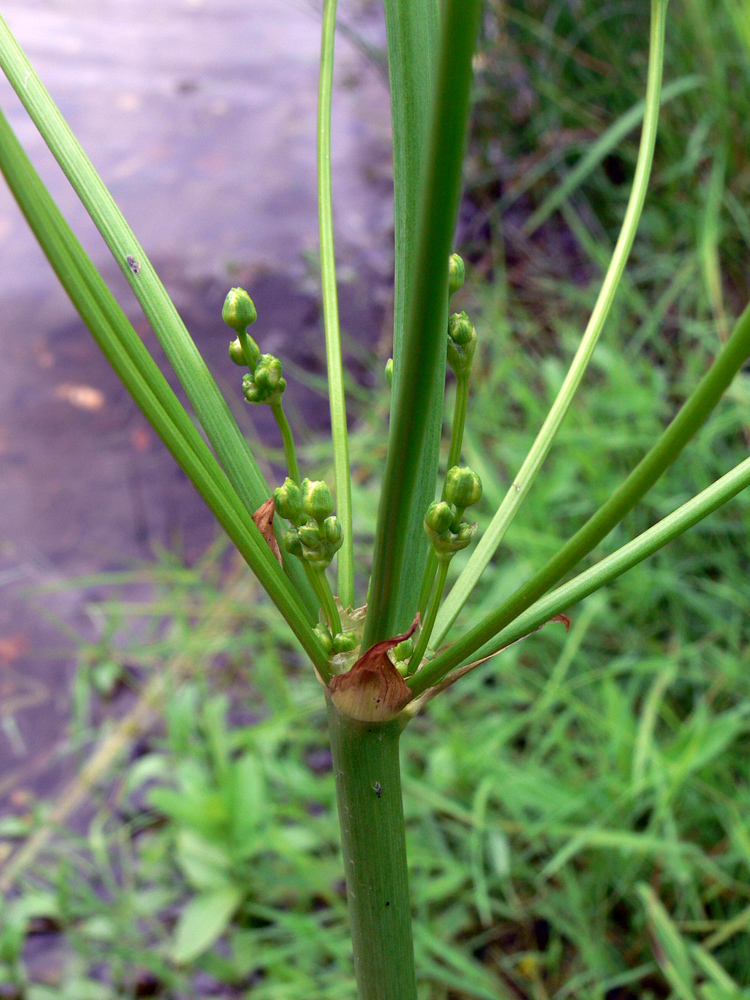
x=201 y=118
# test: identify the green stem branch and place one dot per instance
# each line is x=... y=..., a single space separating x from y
x=290 y=453
x=693 y=414
x=459 y=420
x=609 y=568
x=427 y=625
x=336 y=395
x=523 y=481
x=454 y=457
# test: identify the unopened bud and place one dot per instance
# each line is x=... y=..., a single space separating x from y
x=345 y=642
x=288 y=501
x=460 y=328
x=463 y=487
x=326 y=640
x=266 y=382
x=439 y=516
x=334 y=533
x=237 y=354
x=462 y=342
x=456 y=273
x=317 y=499
x=403 y=651
x=389 y=372
x=239 y=310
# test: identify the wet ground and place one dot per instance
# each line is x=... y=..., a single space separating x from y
x=201 y=119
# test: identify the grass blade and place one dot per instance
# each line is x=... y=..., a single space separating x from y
x=419 y=374
x=336 y=396
x=604 y=145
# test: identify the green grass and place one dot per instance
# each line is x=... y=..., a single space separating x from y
x=577 y=808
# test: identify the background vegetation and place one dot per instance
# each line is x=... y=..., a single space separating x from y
x=578 y=807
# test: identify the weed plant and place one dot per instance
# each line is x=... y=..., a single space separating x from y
x=574 y=810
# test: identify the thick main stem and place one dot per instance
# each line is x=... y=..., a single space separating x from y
x=368 y=790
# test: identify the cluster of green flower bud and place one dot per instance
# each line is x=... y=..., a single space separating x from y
x=265 y=382
x=462 y=342
x=239 y=312
x=402 y=654
x=342 y=642
x=315 y=534
x=443 y=521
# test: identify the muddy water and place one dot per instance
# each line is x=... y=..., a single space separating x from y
x=200 y=116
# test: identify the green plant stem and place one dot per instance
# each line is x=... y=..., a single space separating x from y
x=523 y=481
x=368 y=792
x=323 y=589
x=427 y=625
x=287 y=437
x=336 y=395
x=459 y=420
x=249 y=349
x=419 y=373
x=614 y=565
x=454 y=457
x=693 y=414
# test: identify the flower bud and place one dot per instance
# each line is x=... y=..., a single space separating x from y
x=460 y=328
x=317 y=499
x=464 y=535
x=288 y=501
x=456 y=273
x=463 y=487
x=447 y=543
x=266 y=382
x=403 y=651
x=326 y=640
x=334 y=533
x=236 y=353
x=389 y=372
x=345 y=642
x=238 y=311
x=439 y=516
x=462 y=342
x=309 y=535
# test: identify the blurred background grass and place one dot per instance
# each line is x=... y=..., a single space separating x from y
x=578 y=808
